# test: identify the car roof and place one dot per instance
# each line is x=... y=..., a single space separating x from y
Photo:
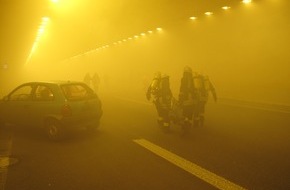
x=57 y=82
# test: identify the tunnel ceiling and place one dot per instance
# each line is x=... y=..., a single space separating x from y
x=80 y=25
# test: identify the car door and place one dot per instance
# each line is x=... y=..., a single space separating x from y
x=17 y=105
x=44 y=104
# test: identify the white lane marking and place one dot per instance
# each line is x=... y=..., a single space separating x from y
x=205 y=175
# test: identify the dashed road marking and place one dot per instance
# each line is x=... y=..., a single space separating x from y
x=205 y=175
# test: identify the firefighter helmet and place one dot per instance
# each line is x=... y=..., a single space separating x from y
x=187 y=69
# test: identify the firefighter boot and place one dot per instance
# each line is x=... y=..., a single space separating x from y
x=186 y=125
x=160 y=121
x=166 y=127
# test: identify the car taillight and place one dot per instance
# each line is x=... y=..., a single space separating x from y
x=66 y=110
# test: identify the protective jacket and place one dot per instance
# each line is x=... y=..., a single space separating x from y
x=203 y=87
x=187 y=92
x=195 y=88
x=160 y=90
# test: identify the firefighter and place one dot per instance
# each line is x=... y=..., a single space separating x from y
x=87 y=79
x=95 y=82
x=187 y=98
x=204 y=88
x=162 y=95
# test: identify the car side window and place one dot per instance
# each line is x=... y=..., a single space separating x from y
x=43 y=93
x=21 y=94
x=77 y=92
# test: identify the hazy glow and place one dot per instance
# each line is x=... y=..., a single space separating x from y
x=38 y=36
x=31 y=52
x=159 y=29
x=226 y=7
x=192 y=18
x=54 y=1
x=142 y=34
x=208 y=13
x=45 y=19
x=150 y=31
x=40 y=31
x=247 y=1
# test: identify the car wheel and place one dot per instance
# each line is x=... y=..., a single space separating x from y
x=53 y=130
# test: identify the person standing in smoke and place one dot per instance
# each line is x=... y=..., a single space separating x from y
x=162 y=95
x=95 y=82
x=88 y=79
x=193 y=96
x=187 y=98
x=203 y=88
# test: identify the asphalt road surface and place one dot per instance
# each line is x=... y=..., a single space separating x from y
x=238 y=148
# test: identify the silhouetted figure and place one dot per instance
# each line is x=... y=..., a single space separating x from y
x=187 y=99
x=162 y=95
x=193 y=96
x=95 y=82
x=88 y=79
x=203 y=87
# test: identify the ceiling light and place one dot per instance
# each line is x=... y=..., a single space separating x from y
x=247 y=1
x=208 y=13
x=225 y=7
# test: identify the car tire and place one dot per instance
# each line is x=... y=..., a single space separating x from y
x=53 y=130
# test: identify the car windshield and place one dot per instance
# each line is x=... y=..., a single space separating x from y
x=77 y=92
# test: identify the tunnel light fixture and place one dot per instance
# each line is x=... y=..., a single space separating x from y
x=226 y=7
x=158 y=29
x=247 y=1
x=208 y=13
x=116 y=43
x=45 y=19
x=40 y=31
